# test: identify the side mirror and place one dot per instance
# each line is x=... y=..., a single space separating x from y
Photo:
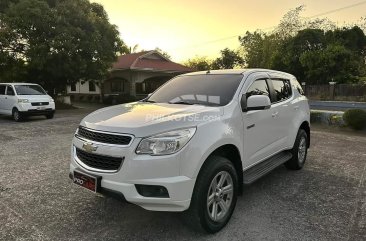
x=149 y=94
x=257 y=102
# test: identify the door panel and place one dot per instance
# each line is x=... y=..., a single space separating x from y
x=283 y=109
x=2 y=98
x=260 y=133
x=9 y=100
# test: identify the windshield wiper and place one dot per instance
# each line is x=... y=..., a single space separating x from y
x=181 y=102
x=150 y=101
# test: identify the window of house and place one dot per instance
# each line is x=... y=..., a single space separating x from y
x=259 y=87
x=2 y=89
x=140 y=88
x=91 y=86
x=282 y=88
x=117 y=86
x=73 y=87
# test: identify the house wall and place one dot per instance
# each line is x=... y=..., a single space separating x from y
x=133 y=77
x=83 y=89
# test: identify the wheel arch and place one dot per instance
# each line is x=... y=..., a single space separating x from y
x=231 y=152
x=306 y=127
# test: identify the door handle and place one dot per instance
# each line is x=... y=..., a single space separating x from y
x=274 y=114
x=296 y=107
x=6 y=97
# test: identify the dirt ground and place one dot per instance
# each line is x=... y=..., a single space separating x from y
x=324 y=201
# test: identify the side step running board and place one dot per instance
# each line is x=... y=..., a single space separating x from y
x=261 y=169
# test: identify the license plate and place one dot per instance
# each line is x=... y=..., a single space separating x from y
x=87 y=181
x=41 y=108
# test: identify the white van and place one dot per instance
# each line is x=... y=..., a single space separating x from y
x=24 y=99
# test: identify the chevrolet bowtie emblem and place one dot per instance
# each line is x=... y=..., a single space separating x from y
x=89 y=147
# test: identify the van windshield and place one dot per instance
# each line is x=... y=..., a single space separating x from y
x=29 y=90
x=206 y=89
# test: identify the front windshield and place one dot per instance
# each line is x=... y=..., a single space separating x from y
x=29 y=90
x=208 y=89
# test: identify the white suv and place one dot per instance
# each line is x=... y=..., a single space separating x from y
x=24 y=99
x=194 y=143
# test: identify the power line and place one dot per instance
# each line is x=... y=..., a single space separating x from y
x=268 y=28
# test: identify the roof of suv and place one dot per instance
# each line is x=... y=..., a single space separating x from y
x=236 y=71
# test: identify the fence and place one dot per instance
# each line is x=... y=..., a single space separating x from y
x=347 y=92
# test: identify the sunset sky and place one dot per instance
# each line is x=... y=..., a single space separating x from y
x=185 y=28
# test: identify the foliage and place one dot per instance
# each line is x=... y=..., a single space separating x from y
x=355 y=118
x=199 y=63
x=315 y=51
x=56 y=42
x=229 y=59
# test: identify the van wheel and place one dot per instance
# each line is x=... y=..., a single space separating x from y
x=17 y=116
x=299 y=151
x=214 y=196
x=50 y=116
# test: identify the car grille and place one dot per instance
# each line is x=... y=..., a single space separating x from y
x=107 y=163
x=39 y=103
x=104 y=137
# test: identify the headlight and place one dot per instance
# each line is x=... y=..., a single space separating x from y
x=23 y=100
x=165 y=143
x=52 y=100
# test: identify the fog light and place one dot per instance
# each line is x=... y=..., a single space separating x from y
x=152 y=191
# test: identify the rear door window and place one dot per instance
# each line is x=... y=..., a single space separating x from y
x=282 y=89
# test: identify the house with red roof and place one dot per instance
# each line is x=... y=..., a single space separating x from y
x=132 y=75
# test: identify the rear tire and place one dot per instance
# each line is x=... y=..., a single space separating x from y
x=17 y=116
x=214 y=196
x=299 y=151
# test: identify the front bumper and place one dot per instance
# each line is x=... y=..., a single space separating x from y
x=143 y=170
x=28 y=110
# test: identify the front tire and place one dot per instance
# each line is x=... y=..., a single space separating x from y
x=50 y=116
x=214 y=196
x=17 y=116
x=299 y=151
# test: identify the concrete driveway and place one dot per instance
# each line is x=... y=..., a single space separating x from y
x=324 y=201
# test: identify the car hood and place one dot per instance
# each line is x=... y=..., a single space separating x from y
x=144 y=119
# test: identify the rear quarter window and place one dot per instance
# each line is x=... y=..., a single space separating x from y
x=298 y=87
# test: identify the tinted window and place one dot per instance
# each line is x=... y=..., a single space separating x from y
x=2 y=89
x=29 y=90
x=282 y=89
x=210 y=89
x=298 y=87
x=259 y=87
x=9 y=91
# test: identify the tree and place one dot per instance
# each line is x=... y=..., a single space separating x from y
x=56 y=43
x=199 y=63
x=313 y=50
x=229 y=59
x=334 y=63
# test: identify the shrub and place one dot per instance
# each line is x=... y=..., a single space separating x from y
x=355 y=118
